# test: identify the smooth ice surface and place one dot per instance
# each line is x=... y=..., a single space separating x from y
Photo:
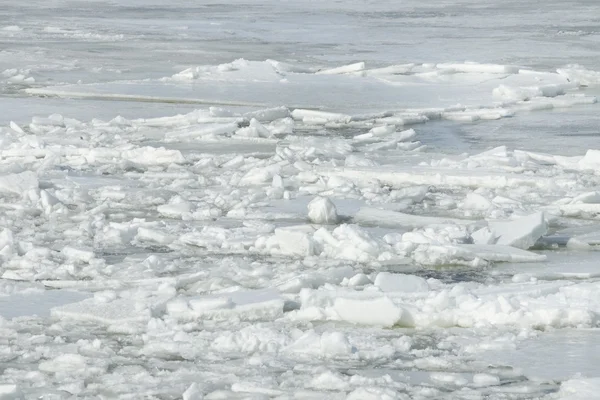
x=37 y=303
x=307 y=200
x=538 y=356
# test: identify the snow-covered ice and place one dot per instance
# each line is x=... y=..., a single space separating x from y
x=300 y=200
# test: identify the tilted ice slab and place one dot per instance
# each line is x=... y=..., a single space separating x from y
x=485 y=89
x=522 y=233
x=378 y=217
x=498 y=252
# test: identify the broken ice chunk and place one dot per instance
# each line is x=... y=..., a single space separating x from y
x=389 y=282
x=522 y=233
x=321 y=210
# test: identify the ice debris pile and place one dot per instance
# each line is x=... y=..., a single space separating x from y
x=285 y=239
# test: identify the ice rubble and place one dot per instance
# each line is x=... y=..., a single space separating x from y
x=482 y=233
x=526 y=305
x=255 y=232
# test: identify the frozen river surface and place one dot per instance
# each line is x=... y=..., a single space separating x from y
x=299 y=200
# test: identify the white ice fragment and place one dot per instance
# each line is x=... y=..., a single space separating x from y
x=152 y=235
x=446 y=377
x=495 y=252
x=15 y=127
x=255 y=129
x=575 y=244
x=359 y=280
x=175 y=209
x=6 y=243
x=18 y=183
x=259 y=175
x=77 y=254
x=269 y=114
x=193 y=392
x=405 y=136
x=527 y=93
x=52 y=120
x=286 y=67
x=200 y=131
x=277 y=181
x=591 y=160
x=324 y=236
x=415 y=194
x=177 y=306
x=21 y=78
x=350 y=68
x=399 y=69
x=389 y=282
x=486 y=380
x=588 y=197
x=312 y=115
x=386 y=145
x=295 y=242
x=120 y=311
x=522 y=233
x=64 y=363
x=12 y=28
x=374 y=393
x=379 y=311
x=350 y=242
x=321 y=210
x=10 y=392
x=153 y=156
x=335 y=343
x=382 y=130
x=354 y=160
x=475 y=201
x=374 y=216
x=284 y=126
x=47 y=200
x=248 y=305
x=220 y=394
x=153 y=262
x=186 y=74
x=484 y=236
x=219 y=112
x=579 y=389
x=252 y=388
x=203 y=304
x=329 y=380
x=479 y=68
x=581 y=75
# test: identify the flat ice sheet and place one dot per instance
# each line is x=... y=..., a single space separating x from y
x=37 y=303
x=577 y=351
